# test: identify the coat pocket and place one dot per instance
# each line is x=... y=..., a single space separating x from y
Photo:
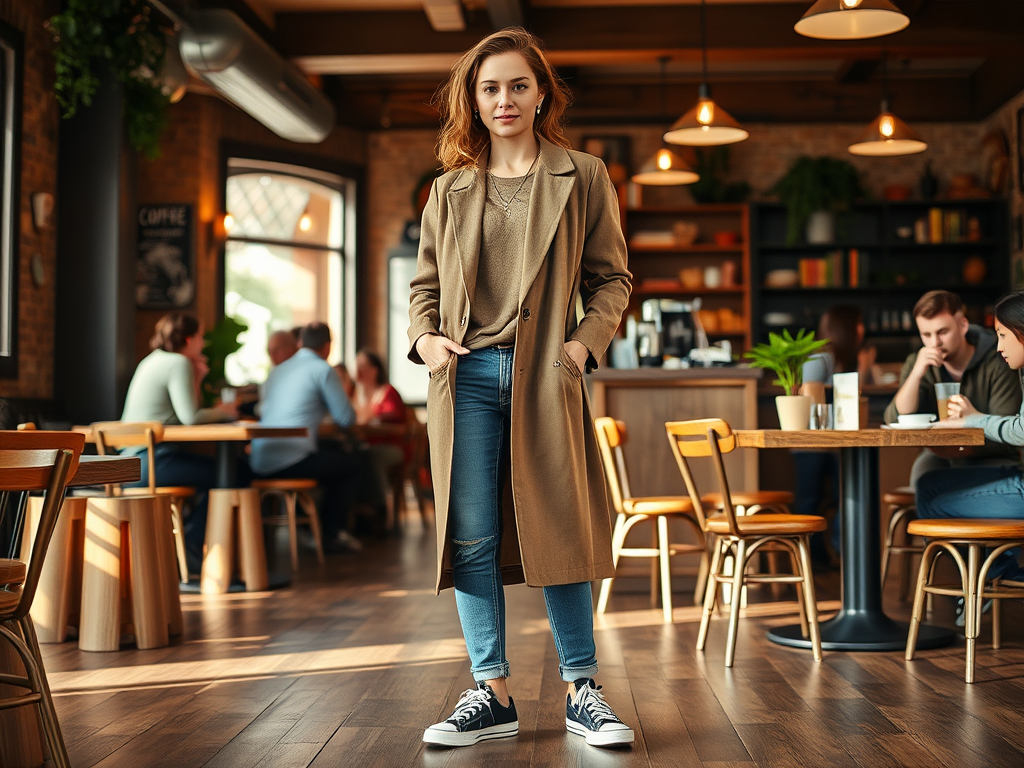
x=568 y=364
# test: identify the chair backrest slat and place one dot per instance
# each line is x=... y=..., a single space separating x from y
x=38 y=461
x=611 y=435
x=703 y=438
x=130 y=434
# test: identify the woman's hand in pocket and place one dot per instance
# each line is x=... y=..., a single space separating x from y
x=435 y=350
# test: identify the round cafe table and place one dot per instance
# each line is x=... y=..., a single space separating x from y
x=861 y=624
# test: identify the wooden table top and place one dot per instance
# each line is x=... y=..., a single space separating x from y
x=867 y=438
x=216 y=433
x=100 y=470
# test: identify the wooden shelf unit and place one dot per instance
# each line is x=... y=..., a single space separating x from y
x=662 y=263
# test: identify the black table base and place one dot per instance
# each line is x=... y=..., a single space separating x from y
x=274 y=581
x=861 y=624
x=862 y=632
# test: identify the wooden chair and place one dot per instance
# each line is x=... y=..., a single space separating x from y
x=32 y=461
x=902 y=510
x=631 y=510
x=293 y=493
x=950 y=535
x=742 y=536
x=413 y=468
x=125 y=434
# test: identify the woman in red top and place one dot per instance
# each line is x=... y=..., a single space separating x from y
x=377 y=402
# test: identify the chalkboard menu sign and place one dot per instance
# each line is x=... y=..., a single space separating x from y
x=164 y=272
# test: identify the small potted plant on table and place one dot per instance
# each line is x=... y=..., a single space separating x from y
x=786 y=356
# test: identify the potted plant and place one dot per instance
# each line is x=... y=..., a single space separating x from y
x=786 y=356
x=814 y=190
x=221 y=341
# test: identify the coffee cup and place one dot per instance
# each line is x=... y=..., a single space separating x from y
x=916 y=419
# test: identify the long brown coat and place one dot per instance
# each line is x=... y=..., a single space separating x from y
x=556 y=518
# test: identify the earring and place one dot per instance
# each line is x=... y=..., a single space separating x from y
x=476 y=114
x=538 y=107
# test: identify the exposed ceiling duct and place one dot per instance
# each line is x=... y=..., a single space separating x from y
x=221 y=50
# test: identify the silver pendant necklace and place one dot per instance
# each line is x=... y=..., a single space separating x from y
x=505 y=205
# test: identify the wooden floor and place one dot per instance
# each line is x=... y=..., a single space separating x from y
x=349 y=664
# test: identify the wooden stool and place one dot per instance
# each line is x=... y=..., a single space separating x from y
x=902 y=505
x=221 y=533
x=977 y=535
x=292 y=492
x=58 y=599
x=129 y=579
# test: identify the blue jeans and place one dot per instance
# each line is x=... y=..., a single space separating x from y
x=480 y=458
x=980 y=492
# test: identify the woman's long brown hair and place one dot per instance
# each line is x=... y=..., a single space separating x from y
x=462 y=138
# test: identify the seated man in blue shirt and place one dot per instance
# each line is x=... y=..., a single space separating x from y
x=299 y=393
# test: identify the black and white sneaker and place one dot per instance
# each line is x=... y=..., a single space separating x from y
x=477 y=717
x=587 y=715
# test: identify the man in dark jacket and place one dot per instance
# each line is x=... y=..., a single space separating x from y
x=955 y=350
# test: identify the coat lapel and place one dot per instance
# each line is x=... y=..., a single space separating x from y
x=466 y=198
x=551 y=188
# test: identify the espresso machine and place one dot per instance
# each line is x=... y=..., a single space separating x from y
x=668 y=329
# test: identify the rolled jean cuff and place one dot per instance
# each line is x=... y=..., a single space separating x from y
x=572 y=674
x=491 y=673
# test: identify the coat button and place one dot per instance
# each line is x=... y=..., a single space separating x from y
x=462 y=321
x=557 y=364
x=526 y=314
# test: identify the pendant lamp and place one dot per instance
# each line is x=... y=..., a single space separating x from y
x=851 y=19
x=707 y=124
x=665 y=168
x=887 y=135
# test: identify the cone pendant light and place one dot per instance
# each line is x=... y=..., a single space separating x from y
x=665 y=168
x=707 y=124
x=851 y=19
x=887 y=135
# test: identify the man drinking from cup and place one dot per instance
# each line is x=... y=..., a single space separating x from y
x=955 y=352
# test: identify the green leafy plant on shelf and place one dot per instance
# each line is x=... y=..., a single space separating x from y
x=95 y=38
x=785 y=356
x=816 y=184
x=712 y=164
x=221 y=341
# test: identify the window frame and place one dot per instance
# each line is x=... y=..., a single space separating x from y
x=12 y=50
x=351 y=247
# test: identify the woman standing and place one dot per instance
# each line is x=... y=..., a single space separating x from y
x=515 y=231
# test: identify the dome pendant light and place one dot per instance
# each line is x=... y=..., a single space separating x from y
x=887 y=135
x=707 y=124
x=665 y=168
x=851 y=19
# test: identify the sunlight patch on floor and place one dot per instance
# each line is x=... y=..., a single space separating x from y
x=259 y=666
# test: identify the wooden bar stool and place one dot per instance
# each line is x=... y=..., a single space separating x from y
x=949 y=535
x=147 y=434
x=58 y=600
x=234 y=518
x=292 y=493
x=902 y=506
x=743 y=535
x=129 y=578
x=611 y=436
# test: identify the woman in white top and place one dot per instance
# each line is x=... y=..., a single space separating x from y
x=165 y=388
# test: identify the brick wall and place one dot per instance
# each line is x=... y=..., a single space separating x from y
x=1005 y=120
x=38 y=174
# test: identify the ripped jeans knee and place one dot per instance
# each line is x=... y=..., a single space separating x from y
x=474 y=553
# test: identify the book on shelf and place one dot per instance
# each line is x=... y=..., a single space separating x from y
x=836 y=269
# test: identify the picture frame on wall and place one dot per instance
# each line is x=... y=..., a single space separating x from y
x=614 y=150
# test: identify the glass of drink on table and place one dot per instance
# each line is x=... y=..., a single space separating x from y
x=943 y=391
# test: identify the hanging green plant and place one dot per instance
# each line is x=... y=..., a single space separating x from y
x=122 y=38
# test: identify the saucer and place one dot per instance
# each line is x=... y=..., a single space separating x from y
x=908 y=426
